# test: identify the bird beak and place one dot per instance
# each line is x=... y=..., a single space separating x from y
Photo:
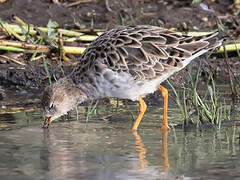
x=47 y=122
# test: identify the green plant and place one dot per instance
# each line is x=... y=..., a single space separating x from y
x=90 y=110
x=200 y=108
x=47 y=71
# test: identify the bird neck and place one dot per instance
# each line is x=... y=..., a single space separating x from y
x=86 y=85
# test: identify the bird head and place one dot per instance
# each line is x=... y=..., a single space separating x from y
x=59 y=98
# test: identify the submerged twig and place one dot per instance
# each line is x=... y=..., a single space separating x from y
x=16 y=30
x=19 y=21
x=78 y=2
x=23 y=45
x=28 y=48
x=12 y=59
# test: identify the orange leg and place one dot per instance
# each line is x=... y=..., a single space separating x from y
x=164 y=92
x=142 y=109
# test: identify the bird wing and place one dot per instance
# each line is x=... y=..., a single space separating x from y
x=145 y=52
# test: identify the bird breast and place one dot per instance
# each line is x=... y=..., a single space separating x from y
x=123 y=85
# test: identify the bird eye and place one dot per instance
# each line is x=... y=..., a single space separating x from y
x=50 y=106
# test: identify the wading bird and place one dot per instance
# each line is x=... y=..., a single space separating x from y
x=126 y=63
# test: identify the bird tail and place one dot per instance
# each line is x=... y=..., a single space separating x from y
x=198 y=45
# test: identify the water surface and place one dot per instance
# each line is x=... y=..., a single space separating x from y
x=105 y=148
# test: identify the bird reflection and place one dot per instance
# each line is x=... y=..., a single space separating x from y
x=143 y=163
x=165 y=151
x=75 y=154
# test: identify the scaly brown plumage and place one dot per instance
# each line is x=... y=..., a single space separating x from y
x=127 y=63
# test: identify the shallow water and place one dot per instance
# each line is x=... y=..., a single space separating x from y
x=105 y=148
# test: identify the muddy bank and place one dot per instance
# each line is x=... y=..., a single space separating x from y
x=108 y=14
x=183 y=15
